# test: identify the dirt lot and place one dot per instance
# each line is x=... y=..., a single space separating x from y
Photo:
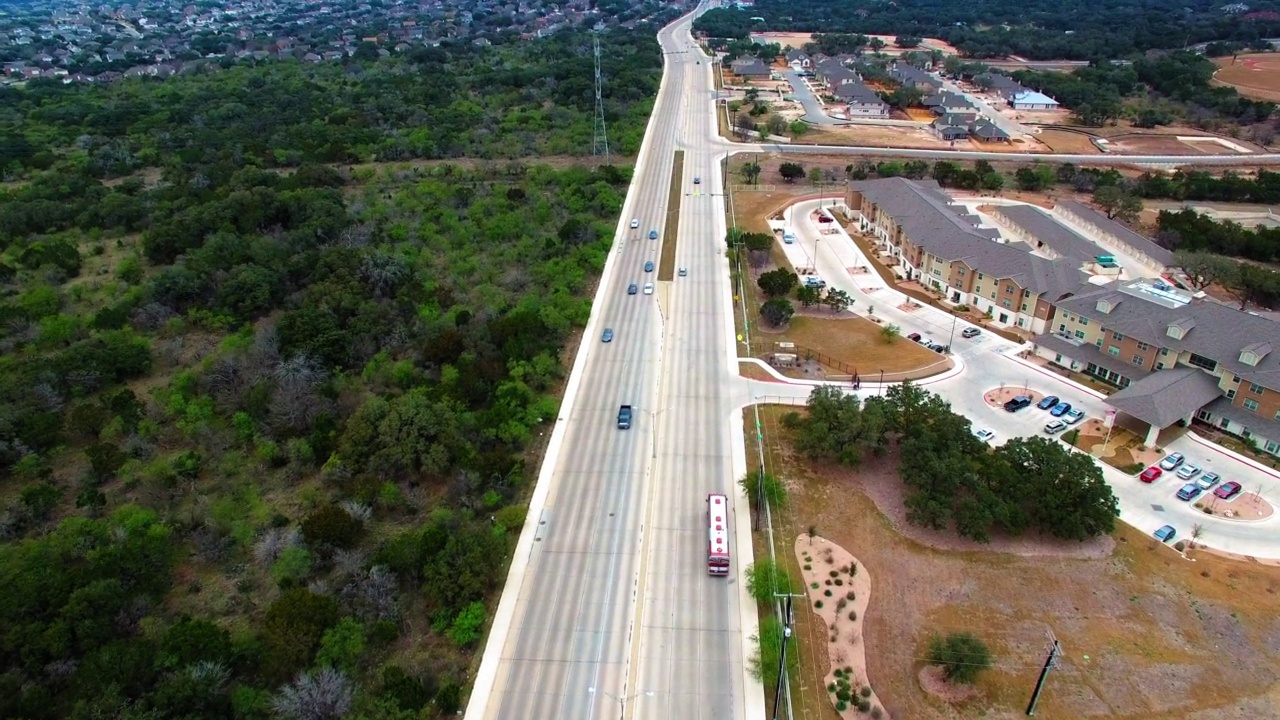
x=1145 y=633
x=1255 y=76
x=875 y=136
x=855 y=342
x=1062 y=141
x=1165 y=145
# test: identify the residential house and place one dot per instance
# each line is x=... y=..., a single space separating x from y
x=1177 y=357
x=912 y=76
x=1155 y=260
x=861 y=101
x=750 y=68
x=1051 y=238
x=987 y=131
x=799 y=61
x=1032 y=100
x=944 y=248
x=946 y=103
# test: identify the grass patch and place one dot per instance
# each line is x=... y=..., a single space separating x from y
x=667 y=262
x=858 y=342
x=1131 y=616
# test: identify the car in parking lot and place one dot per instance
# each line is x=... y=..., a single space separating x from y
x=1048 y=402
x=632 y=289
x=653 y=234
x=1208 y=480
x=1188 y=471
x=1188 y=491
x=1017 y=403
x=648 y=266
x=938 y=347
x=635 y=223
x=1228 y=490
x=1054 y=426
x=648 y=288
x=922 y=340
x=984 y=434
x=971 y=332
x=607 y=336
x=1165 y=533
x=1171 y=461
x=1060 y=409
x=1073 y=416
x=684 y=271
x=1151 y=474
x=914 y=337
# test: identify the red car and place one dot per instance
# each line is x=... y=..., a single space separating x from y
x=1227 y=490
x=1151 y=474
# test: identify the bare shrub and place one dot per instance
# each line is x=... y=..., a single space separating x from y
x=321 y=695
x=274 y=541
x=372 y=596
x=357 y=510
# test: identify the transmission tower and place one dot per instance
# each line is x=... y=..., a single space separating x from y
x=599 y=138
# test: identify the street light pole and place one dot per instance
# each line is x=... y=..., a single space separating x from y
x=881 y=390
x=953 y=332
x=622 y=701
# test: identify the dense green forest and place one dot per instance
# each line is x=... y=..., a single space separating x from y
x=1036 y=30
x=266 y=418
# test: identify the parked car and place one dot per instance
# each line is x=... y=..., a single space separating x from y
x=1188 y=471
x=1054 y=426
x=632 y=289
x=1208 y=480
x=938 y=347
x=984 y=434
x=1165 y=533
x=971 y=332
x=1017 y=403
x=1171 y=461
x=1048 y=402
x=914 y=337
x=635 y=223
x=1228 y=490
x=1060 y=409
x=1073 y=416
x=653 y=234
x=648 y=288
x=1188 y=492
x=684 y=271
x=648 y=266
x=923 y=340
x=1151 y=474
x=607 y=336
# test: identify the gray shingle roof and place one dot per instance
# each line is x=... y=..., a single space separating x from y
x=1165 y=397
x=1211 y=330
x=925 y=214
x=1041 y=226
x=1137 y=241
x=1255 y=423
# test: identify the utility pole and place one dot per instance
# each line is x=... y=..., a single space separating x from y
x=1055 y=649
x=787 y=618
x=599 y=137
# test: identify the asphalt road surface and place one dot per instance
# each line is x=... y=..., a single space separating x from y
x=609 y=610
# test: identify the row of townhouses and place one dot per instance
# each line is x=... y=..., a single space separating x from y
x=1108 y=307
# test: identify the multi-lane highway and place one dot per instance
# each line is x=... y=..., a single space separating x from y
x=609 y=609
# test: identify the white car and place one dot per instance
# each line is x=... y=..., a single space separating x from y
x=1056 y=426
x=1073 y=416
x=648 y=288
x=684 y=272
x=1171 y=461
x=984 y=434
x=635 y=223
x=1188 y=471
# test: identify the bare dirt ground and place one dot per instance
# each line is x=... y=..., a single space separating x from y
x=839 y=590
x=876 y=136
x=1146 y=633
x=1062 y=141
x=1245 y=507
x=1255 y=76
x=1164 y=145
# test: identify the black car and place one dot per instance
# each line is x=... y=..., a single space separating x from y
x=1017 y=403
x=1048 y=402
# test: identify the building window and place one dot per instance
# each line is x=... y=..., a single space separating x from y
x=1098 y=343
x=1024 y=307
x=1235 y=379
x=1164 y=351
x=1082 y=320
x=1008 y=288
x=1079 y=334
x=936 y=272
x=1203 y=362
x=1137 y=360
x=993 y=294
x=1124 y=382
x=1278 y=414
x=960 y=271
x=1113 y=351
x=1231 y=393
x=1143 y=347
x=1006 y=303
x=979 y=276
x=1255 y=388
x=1272 y=447
x=1159 y=366
x=1116 y=336
x=1250 y=405
x=1058 y=359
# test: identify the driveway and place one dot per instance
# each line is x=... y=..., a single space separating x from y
x=988 y=362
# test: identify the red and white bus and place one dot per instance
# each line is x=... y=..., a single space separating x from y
x=717 y=534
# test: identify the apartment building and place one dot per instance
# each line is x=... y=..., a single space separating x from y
x=1176 y=357
x=945 y=248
